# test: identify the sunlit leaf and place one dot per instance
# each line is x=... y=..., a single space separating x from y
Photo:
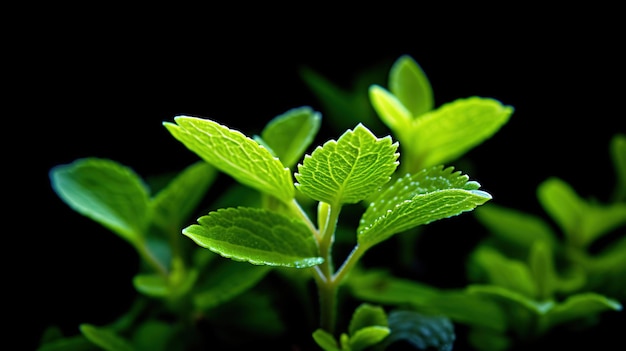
x=325 y=340
x=291 y=133
x=582 y=222
x=235 y=154
x=107 y=192
x=105 y=338
x=367 y=337
x=257 y=236
x=173 y=205
x=391 y=111
x=348 y=170
x=448 y=132
x=408 y=82
x=366 y=315
x=418 y=199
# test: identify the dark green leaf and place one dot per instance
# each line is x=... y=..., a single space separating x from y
x=107 y=192
x=173 y=205
x=227 y=280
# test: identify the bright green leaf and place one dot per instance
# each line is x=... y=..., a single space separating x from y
x=348 y=170
x=173 y=205
x=229 y=279
x=448 y=132
x=104 y=338
x=618 y=155
x=367 y=315
x=235 y=154
x=325 y=340
x=367 y=337
x=418 y=199
x=107 y=192
x=408 y=82
x=513 y=226
x=257 y=236
x=290 y=134
x=582 y=222
x=391 y=111
x=420 y=330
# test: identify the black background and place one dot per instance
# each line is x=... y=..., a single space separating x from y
x=101 y=85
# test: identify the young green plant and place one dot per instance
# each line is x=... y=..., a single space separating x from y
x=354 y=168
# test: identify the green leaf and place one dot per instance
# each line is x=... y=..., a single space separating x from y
x=418 y=199
x=173 y=205
x=367 y=315
x=513 y=297
x=581 y=306
x=367 y=337
x=618 y=155
x=154 y=285
x=391 y=111
x=541 y=264
x=325 y=340
x=235 y=154
x=290 y=134
x=107 y=192
x=228 y=280
x=408 y=82
x=381 y=287
x=257 y=236
x=348 y=170
x=504 y=272
x=448 y=132
x=582 y=222
x=104 y=338
x=155 y=335
x=513 y=226
x=421 y=331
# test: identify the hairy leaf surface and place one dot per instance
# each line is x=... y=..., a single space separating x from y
x=107 y=192
x=256 y=235
x=348 y=170
x=418 y=199
x=235 y=154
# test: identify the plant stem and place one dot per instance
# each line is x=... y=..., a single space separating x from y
x=147 y=256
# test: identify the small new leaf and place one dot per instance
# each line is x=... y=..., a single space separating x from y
x=235 y=154
x=348 y=170
x=408 y=82
x=257 y=236
x=107 y=192
x=418 y=199
x=290 y=134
